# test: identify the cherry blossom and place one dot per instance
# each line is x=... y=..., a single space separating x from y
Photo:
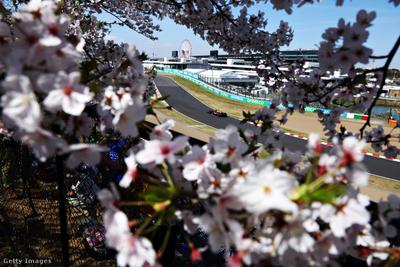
x=126 y=118
x=326 y=163
x=352 y=50
x=135 y=252
x=345 y=213
x=43 y=143
x=213 y=182
x=254 y=199
x=68 y=95
x=86 y=153
x=196 y=164
x=50 y=33
x=221 y=231
x=352 y=150
x=227 y=145
x=267 y=189
x=20 y=106
x=131 y=173
x=109 y=198
x=116 y=100
x=162 y=132
x=314 y=143
x=132 y=251
x=366 y=240
x=82 y=125
x=158 y=151
x=294 y=237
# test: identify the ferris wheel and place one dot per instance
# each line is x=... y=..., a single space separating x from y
x=185 y=50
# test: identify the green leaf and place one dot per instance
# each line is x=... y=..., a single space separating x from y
x=150 y=111
x=225 y=168
x=157 y=194
x=263 y=154
x=326 y=194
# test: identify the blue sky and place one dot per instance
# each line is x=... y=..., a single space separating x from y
x=308 y=23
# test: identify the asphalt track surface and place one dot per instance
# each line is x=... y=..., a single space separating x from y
x=188 y=105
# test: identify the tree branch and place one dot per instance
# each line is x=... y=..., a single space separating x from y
x=391 y=54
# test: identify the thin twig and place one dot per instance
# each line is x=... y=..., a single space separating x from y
x=378 y=57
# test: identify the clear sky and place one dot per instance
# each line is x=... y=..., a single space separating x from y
x=308 y=23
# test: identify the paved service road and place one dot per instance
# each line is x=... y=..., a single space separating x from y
x=185 y=103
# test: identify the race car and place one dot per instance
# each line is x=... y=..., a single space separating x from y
x=217 y=113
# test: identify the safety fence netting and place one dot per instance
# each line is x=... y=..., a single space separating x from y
x=31 y=205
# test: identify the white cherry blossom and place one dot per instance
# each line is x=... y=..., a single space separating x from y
x=126 y=118
x=132 y=251
x=19 y=104
x=314 y=143
x=266 y=189
x=158 y=151
x=352 y=150
x=86 y=153
x=131 y=173
x=82 y=125
x=365 y=240
x=43 y=143
x=326 y=163
x=346 y=213
x=221 y=231
x=135 y=252
x=245 y=202
x=196 y=163
x=227 y=145
x=116 y=100
x=162 y=132
x=213 y=182
x=68 y=94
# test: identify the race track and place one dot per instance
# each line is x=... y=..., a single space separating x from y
x=185 y=103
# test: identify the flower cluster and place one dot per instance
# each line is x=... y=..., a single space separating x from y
x=132 y=251
x=352 y=50
x=46 y=98
x=335 y=85
x=257 y=203
x=284 y=207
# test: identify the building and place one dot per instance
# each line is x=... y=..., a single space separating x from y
x=235 y=73
x=176 y=63
x=288 y=56
x=229 y=77
x=392 y=91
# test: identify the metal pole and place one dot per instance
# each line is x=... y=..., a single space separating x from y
x=62 y=212
x=26 y=160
